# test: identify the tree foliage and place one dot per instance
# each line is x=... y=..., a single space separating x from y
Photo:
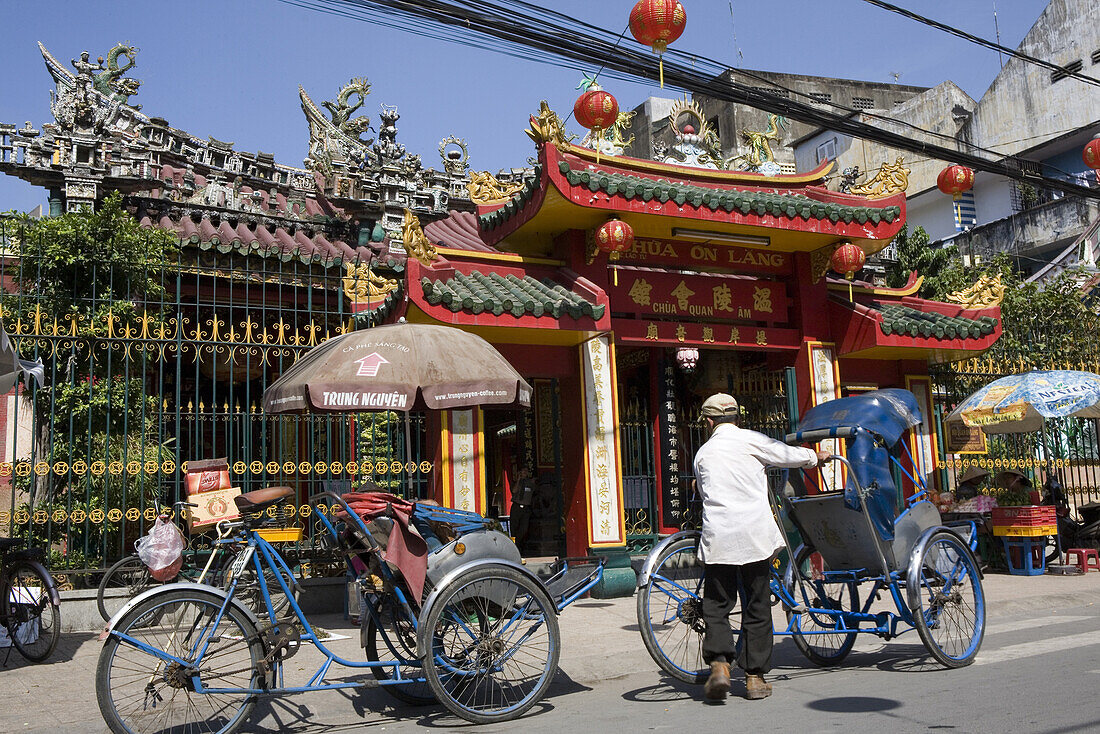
x=90 y=268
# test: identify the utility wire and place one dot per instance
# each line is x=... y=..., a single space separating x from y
x=552 y=33
x=983 y=42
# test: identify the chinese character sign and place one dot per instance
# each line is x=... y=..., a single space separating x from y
x=700 y=296
x=670 y=461
x=464 y=481
x=603 y=471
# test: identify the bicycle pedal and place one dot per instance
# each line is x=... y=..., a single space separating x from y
x=797 y=609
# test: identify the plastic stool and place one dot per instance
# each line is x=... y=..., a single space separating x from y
x=1083 y=556
x=1025 y=556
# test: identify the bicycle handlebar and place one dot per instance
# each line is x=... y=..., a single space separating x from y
x=820 y=434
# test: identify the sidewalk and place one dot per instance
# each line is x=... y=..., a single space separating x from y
x=600 y=642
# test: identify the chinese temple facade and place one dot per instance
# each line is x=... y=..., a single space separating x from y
x=725 y=288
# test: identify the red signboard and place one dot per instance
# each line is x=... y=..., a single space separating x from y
x=650 y=293
x=671 y=333
x=707 y=255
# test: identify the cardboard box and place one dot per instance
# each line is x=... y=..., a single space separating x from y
x=206 y=476
x=213 y=507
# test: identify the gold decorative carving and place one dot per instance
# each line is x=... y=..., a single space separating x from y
x=819 y=261
x=622 y=122
x=485 y=189
x=416 y=243
x=691 y=109
x=361 y=284
x=547 y=127
x=760 y=149
x=890 y=179
x=986 y=293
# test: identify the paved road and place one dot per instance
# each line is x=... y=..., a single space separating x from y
x=1038 y=671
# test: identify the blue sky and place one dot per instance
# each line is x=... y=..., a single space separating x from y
x=231 y=69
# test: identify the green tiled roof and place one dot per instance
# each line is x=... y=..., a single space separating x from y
x=517 y=202
x=365 y=319
x=746 y=202
x=498 y=294
x=906 y=321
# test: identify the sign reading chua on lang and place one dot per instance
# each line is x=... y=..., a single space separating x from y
x=679 y=254
x=651 y=293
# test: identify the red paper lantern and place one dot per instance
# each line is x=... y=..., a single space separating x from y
x=847 y=260
x=954 y=180
x=614 y=235
x=657 y=23
x=596 y=109
x=1091 y=153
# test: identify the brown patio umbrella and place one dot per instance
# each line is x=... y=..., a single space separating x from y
x=399 y=367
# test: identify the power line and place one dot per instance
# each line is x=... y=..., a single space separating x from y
x=550 y=33
x=983 y=42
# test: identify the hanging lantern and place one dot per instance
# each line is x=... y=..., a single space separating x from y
x=687 y=358
x=847 y=260
x=596 y=110
x=1091 y=153
x=614 y=236
x=657 y=23
x=955 y=180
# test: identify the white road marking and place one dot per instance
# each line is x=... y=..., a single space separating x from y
x=1038 y=647
x=1026 y=624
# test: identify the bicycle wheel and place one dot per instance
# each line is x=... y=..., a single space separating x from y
x=823 y=638
x=123 y=581
x=395 y=640
x=493 y=644
x=670 y=613
x=945 y=596
x=139 y=693
x=34 y=621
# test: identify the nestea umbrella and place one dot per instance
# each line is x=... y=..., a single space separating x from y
x=1020 y=403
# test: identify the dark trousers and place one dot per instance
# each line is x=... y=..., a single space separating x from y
x=722 y=586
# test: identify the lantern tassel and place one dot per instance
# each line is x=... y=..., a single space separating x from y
x=661 y=66
x=599 y=139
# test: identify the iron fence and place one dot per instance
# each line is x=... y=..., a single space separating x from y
x=154 y=363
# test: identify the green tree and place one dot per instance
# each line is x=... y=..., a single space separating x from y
x=914 y=254
x=102 y=271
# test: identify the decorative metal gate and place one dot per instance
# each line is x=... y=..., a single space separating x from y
x=156 y=358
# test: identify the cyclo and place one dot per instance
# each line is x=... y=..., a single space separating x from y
x=483 y=639
x=850 y=539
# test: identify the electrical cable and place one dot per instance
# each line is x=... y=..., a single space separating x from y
x=983 y=42
x=511 y=26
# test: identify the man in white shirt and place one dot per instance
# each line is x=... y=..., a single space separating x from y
x=740 y=538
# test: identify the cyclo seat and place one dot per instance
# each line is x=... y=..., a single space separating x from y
x=259 y=500
x=10 y=543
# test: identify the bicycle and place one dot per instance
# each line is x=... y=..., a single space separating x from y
x=485 y=640
x=29 y=610
x=129 y=576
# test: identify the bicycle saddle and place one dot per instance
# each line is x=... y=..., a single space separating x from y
x=260 y=499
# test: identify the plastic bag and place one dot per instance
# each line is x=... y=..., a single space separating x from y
x=162 y=550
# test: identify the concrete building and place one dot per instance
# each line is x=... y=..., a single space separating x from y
x=1032 y=116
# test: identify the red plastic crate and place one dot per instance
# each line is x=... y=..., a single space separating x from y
x=1026 y=516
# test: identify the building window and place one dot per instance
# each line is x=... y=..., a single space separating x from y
x=863 y=103
x=774 y=91
x=821 y=97
x=826 y=151
x=1071 y=68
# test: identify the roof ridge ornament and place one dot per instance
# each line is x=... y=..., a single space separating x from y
x=484 y=188
x=415 y=241
x=987 y=292
x=547 y=127
x=889 y=180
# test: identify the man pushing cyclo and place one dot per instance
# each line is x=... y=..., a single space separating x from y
x=739 y=541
